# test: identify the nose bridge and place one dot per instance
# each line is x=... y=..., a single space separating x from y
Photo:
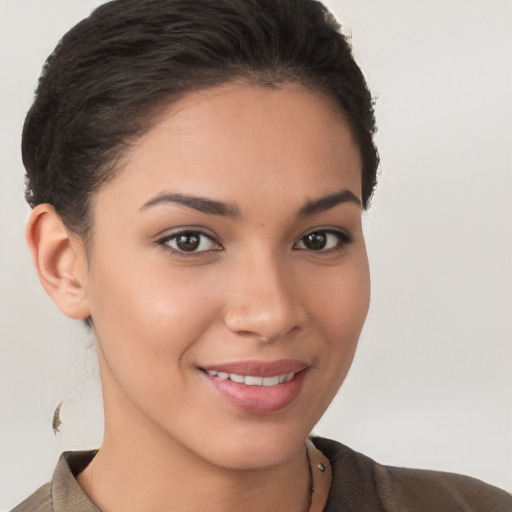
x=263 y=305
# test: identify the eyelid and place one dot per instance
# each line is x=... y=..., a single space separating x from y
x=343 y=236
x=170 y=235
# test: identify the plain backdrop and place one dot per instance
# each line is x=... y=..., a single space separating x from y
x=431 y=385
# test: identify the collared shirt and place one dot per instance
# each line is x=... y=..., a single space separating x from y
x=359 y=484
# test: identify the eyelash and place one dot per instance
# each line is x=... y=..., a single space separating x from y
x=164 y=242
x=343 y=239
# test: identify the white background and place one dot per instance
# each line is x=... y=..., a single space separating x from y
x=431 y=385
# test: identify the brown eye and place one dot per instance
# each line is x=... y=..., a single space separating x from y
x=190 y=242
x=323 y=240
x=315 y=241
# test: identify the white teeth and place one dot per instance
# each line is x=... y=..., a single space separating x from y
x=253 y=381
x=271 y=381
x=250 y=380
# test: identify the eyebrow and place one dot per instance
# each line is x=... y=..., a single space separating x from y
x=212 y=207
x=327 y=202
x=201 y=204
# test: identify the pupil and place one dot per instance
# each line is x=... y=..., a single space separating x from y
x=188 y=241
x=315 y=241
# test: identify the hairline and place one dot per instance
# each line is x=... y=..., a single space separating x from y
x=151 y=119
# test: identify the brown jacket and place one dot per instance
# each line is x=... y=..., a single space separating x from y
x=359 y=484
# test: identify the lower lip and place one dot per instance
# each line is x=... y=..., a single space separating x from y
x=259 y=399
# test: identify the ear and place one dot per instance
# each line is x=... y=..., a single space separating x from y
x=59 y=259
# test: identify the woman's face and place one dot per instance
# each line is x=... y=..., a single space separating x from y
x=228 y=257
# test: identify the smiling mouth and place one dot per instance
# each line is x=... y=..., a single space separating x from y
x=258 y=387
x=253 y=380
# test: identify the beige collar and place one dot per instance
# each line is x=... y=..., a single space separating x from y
x=321 y=475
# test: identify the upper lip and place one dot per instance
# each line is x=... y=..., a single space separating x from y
x=259 y=368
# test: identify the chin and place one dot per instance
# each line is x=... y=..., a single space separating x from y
x=257 y=446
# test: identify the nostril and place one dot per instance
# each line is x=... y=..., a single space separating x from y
x=264 y=309
x=266 y=331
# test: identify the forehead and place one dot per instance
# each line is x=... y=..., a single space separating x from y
x=236 y=138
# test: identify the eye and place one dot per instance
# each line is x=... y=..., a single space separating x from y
x=189 y=241
x=323 y=240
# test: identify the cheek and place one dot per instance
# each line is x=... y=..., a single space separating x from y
x=146 y=315
x=148 y=328
x=342 y=302
x=340 y=313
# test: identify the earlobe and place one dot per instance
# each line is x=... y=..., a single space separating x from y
x=59 y=259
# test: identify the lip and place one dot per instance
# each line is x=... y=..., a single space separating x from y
x=259 y=399
x=259 y=368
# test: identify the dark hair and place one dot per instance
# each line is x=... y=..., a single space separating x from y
x=110 y=76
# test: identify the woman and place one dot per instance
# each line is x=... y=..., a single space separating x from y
x=197 y=194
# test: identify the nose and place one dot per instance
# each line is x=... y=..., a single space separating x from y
x=262 y=303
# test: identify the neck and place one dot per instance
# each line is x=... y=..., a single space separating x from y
x=129 y=474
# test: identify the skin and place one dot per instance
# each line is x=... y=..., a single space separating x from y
x=256 y=292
